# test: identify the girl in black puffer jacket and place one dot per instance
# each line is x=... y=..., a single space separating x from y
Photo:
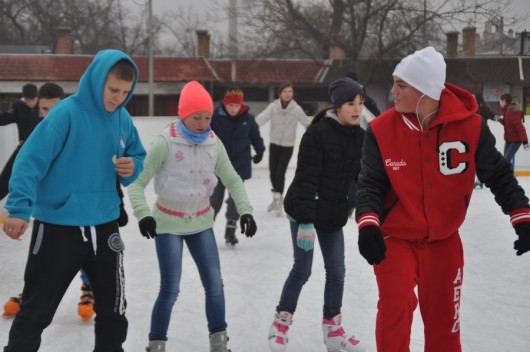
x=316 y=204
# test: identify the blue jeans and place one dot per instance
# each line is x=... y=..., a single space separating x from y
x=203 y=250
x=332 y=247
x=510 y=148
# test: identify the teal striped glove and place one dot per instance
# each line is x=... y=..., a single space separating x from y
x=305 y=239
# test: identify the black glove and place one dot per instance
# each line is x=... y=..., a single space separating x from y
x=522 y=245
x=257 y=158
x=124 y=218
x=248 y=225
x=148 y=227
x=371 y=244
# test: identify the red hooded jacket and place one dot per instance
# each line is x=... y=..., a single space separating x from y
x=418 y=184
x=514 y=130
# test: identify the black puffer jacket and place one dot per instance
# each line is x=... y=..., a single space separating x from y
x=25 y=117
x=328 y=160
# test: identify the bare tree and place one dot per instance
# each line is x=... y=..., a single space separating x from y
x=182 y=24
x=94 y=24
x=367 y=29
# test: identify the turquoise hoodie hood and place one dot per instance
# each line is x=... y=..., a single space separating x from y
x=64 y=174
x=92 y=83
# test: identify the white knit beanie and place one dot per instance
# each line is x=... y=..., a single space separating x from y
x=423 y=70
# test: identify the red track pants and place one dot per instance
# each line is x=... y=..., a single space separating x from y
x=437 y=269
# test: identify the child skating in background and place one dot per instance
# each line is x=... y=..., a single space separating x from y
x=316 y=204
x=48 y=95
x=186 y=160
x=284 y=115
x=237 y=129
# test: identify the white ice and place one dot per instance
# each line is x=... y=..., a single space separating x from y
x=495 y=311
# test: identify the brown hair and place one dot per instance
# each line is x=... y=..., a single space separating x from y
x=283 y=86
x=123 y=70
x=320 y=115
x=507 y=97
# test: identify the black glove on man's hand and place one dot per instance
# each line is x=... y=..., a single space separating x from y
x=257 y=158
x=522 y=245
x=248 y=225
x=371 y=244
x=148 y=227
x=124 y=218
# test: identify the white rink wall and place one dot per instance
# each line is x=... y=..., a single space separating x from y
x=149 y=127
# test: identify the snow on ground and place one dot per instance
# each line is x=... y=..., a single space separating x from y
x=495 y=301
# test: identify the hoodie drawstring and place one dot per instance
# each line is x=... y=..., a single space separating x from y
x=93 y=237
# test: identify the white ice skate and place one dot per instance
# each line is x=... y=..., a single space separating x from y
x=276 y=205
x=219 y=342
x=156 y=346
x=278 y=333
x=336 y=339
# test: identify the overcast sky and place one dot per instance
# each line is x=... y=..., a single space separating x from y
x=202 y=7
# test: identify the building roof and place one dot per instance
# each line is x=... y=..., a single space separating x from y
x=15 y=67
x=176 y=69
x=166 y=69
x=477 y=69
x=65 y=68
x=267 y=71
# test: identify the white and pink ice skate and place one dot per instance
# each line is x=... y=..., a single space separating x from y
x=278 y=334
x=336 y=339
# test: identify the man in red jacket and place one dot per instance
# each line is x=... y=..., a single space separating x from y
x=417 y=175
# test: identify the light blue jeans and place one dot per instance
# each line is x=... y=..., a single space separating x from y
x=203 y=249
x=510 y=148
x=332 y=247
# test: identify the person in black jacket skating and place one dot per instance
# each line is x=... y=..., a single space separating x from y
x=316 y=205
x=236 y=127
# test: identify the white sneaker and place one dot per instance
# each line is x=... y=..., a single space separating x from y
x=336 y=339
x=278 y=333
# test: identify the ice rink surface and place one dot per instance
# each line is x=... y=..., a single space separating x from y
x=495 y=312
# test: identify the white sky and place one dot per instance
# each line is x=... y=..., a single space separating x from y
x=521 y=7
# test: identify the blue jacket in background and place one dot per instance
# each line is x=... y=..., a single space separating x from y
x=238 y=134
x=64 y=173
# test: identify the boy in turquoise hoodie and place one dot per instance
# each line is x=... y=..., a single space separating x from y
x=68 y=184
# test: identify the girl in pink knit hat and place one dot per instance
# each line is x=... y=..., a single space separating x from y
x=185 y=161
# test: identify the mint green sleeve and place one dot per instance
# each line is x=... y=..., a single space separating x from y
x=156 y=157
x=229 y=177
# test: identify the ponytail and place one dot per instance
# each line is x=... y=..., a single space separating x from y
x=320 y=115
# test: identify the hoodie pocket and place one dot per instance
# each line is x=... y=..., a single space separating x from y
x=89 y=208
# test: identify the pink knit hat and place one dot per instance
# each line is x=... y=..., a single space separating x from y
x=194 y=98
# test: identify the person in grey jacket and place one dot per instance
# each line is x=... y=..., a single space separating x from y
x=284 y=115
